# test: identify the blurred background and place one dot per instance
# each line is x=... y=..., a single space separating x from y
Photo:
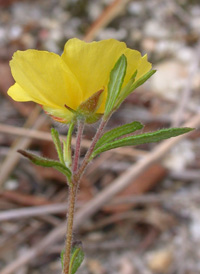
x=153 y=224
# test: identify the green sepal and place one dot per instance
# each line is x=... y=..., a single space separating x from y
x=118 y=132
x=92 y=104
x=71 y=109
x=87 y=110
x=117 y=75
x=58 y=146
x=143 y=139
x=132 y=85
x=93 y=118
x=41 y=161
x=77 y=256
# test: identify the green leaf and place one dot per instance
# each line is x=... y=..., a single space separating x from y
x=77 y=256
x=118 y=132
x=143 y=139
x=62 y=257
x=67 y=146
x=114 y=86
x=128 y=86
x=143 y=79
x=126 y=90
x=57 y=143
x=41 y=161
x=132 y=85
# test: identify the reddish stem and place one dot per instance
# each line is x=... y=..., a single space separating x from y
x=70 y=221
x=75 y=182
x=72 y=201
x=90 y=150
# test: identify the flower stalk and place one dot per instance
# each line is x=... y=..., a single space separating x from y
x=70 y=220
x=77 y=173
x=91 y=149
x=72 y=195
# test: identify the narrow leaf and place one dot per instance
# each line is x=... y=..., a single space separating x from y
x=62 y=258
x=116 y=80
x=57 y=143
x=67 y=146
x=77 y=257
x=143 y=79
x=126 y=90
x=41 y=161
x=118 y=132
x=132 y=85
x=143 y=139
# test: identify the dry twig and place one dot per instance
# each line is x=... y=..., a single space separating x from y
x=35 y=121
x=46 y=136
x=111 y=12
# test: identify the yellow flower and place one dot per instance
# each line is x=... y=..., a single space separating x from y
x=55 y=81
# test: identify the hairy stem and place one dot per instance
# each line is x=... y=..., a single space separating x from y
x=72 y=200
x=91 y=148
x=70 y=220
x=75 y=184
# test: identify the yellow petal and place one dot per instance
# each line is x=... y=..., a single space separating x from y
x=61 y=115
x=133 y=60
x=91 y=63
x=20 y=95
x=44 y=78
x=143 y=67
